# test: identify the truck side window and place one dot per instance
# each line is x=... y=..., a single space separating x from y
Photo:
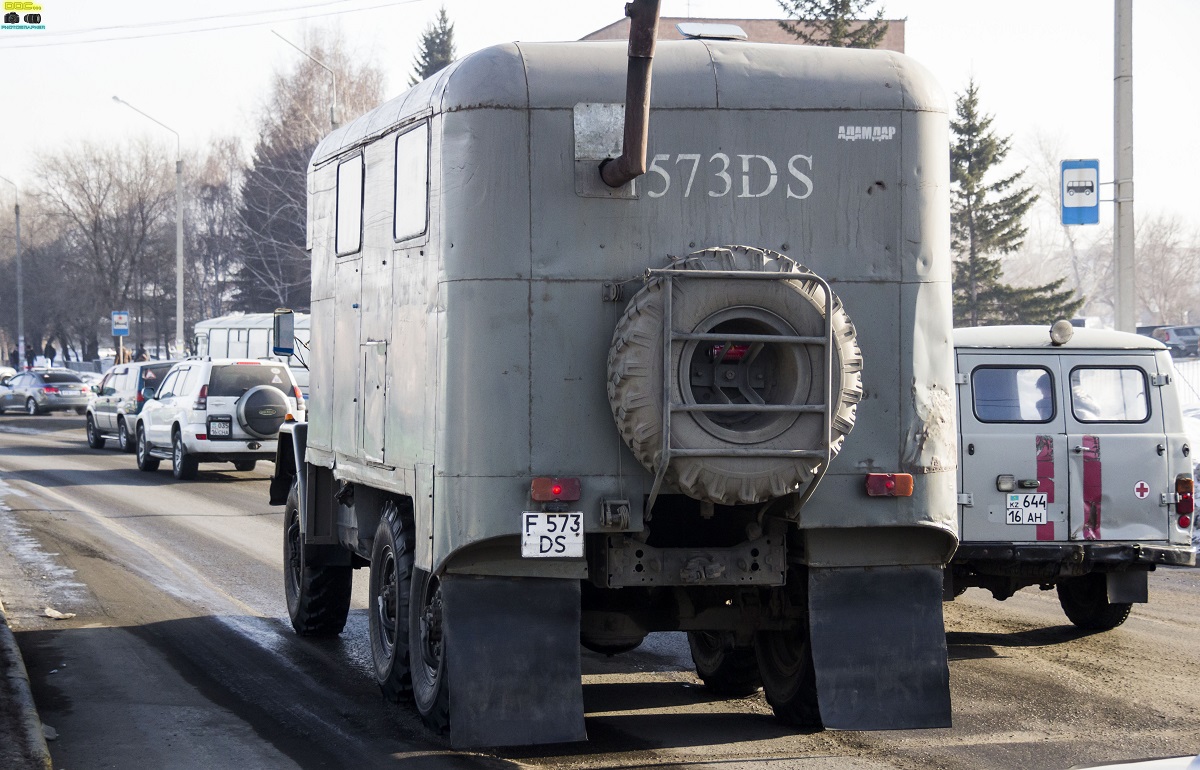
x=349 y=205
x=1012 y=394
x=412 y=183
x=1109 y=394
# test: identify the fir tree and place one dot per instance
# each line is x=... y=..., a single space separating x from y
x=437 y=48
x=986 y=218
x=833 y=23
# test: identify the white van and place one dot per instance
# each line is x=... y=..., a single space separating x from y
x=1075 y=470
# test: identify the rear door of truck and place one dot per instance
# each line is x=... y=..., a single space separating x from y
x=1118 y=448
x=1013 y=448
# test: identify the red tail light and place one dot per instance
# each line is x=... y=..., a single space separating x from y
x=49 y=389
x=141 y=398
x=202 y=399
x=1185 y=522
x=545 y=490
x=889 y=484
x=299 y=396
x=731 y=352
x=1184 y=502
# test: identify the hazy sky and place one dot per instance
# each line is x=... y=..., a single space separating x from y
x=1044 y=67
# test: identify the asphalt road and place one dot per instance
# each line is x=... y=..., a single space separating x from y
x=179 y=653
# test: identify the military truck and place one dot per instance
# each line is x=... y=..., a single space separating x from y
x=587 y=365
x=1075 y=470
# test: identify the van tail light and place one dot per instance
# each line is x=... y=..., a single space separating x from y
x=545 y=489
x=202 y=399
x=889 y=484
x=1184 y=502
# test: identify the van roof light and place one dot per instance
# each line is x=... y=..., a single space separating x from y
x=1061 y=332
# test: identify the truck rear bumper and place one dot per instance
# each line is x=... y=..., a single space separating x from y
x=1078 y=557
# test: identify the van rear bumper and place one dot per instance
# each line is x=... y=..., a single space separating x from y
x=1070 y=558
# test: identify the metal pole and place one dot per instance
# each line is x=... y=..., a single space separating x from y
x=20 y=281
x=332 y=78
x=1123 y=252
x=179 y=346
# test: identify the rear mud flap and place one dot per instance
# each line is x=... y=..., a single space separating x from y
x=879 y=647
x=513 y=660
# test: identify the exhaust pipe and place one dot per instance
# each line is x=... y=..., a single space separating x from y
x=643 y=34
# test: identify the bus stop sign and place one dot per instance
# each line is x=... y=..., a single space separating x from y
x=1079 y=191
x=120 y=323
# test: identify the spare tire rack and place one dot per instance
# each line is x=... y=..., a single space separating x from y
x=670 y=337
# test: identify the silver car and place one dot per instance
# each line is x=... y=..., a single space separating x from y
x=38 y=391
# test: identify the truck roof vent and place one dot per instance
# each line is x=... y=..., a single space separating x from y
x=699 y=31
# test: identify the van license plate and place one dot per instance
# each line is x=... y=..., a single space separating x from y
x=545 y=534
x=1026 y=509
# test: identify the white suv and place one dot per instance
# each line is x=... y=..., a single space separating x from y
x=222 y=410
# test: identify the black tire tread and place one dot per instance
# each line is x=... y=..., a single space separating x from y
x=1084 y=600
x=324 y=602
x=734 y=673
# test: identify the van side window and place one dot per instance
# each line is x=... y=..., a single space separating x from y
x=412 y=183
x=1109 y=394
x=349 y=205
x=1012 y=394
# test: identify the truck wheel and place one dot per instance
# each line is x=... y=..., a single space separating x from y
x=1085 y=601
x=183 y=465
x=390 y=593
x=144 y=461
x=95 y=440
x=731 y=373
x=427 y=646
x=723 y=667
x=788 y=676
x=318 y=597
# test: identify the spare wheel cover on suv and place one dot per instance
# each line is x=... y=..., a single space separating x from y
x=710 y=372
x=261 y=410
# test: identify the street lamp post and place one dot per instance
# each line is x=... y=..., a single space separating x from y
x=20 y=282
x=333 y=124
x=179 y=346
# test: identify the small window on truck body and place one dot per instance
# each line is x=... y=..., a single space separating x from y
x=411 y=214
x=1109 y=394
x=1012 y=394
x=349 y=206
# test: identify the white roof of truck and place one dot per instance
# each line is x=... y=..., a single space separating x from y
x=248 y=321
x=1008 y=337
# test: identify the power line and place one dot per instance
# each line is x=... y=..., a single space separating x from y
x=169 y=33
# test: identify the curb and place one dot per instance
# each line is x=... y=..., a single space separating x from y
x=29 y=746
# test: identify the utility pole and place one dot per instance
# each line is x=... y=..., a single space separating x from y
x=1123 y=253
x=180 y=348
x=20 y=281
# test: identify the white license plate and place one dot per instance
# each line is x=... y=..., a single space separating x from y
x=545 y=534
x=1025 y=509
x=218 y=428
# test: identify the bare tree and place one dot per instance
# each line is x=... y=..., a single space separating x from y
x=1167 y=268
x=274 y=270
x=212 y=225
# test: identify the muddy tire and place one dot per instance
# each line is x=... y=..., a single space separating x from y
x=1085 y=601
x=94 y=439
x=318 y=597
x=427 y=652
x=390 y=593
x=788 y=676
x=723 y=667
x=749 y=374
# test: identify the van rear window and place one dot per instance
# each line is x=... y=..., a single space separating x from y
x=1012 y=394
x=235 y=379
x=1109 y=394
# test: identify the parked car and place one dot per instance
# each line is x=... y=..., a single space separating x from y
x=222 y=410
x=119 y=396
x=37 y=391
x=1181 y=341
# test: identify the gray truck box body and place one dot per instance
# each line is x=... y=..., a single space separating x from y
x=451 y=367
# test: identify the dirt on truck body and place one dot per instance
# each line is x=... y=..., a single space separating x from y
x=717 y=397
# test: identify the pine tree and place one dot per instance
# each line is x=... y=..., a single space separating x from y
x=986 y=217
x=437 y=48
x=833 y=23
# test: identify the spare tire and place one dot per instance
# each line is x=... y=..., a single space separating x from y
x=758 y=373
x=261 y=410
